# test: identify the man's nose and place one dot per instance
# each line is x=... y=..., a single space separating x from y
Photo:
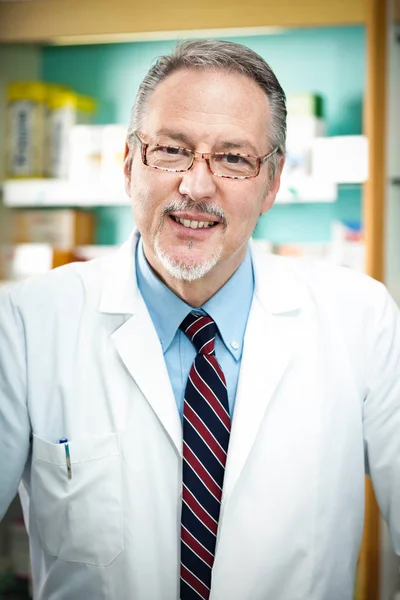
x=198 y=183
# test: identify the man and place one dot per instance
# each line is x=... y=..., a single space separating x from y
x=190 y=417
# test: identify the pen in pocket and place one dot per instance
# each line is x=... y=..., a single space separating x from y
x=67 y=457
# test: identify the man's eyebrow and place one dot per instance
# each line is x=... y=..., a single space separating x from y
x=237 y=145
x=176 y=136
x=234 y=144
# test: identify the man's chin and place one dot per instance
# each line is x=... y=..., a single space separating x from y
x=183 y=268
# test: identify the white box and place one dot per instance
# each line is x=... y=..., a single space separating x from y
x=85 y=149
x=112 y=156
x=301 y=134
x=347 y=246
x=341 y=159
x=24 y=260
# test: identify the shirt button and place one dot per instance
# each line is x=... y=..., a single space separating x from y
x=235 y=345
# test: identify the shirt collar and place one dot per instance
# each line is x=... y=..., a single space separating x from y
x=229 y=307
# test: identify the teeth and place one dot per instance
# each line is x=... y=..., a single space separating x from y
x=194 y=224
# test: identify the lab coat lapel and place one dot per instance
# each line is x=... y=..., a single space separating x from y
x=266 y=355
x=139 y=347
x=137 y=342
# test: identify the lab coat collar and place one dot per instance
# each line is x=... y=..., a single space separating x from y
x=276 y=286
x=120 y=292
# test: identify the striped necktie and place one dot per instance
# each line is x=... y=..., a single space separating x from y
x=206 y=430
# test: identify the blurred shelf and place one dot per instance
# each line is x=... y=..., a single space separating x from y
x=39 y=193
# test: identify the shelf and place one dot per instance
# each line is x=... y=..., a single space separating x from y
x=40 y=193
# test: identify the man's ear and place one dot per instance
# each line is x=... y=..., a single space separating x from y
x=127 y=168
x=126 y=160
x=273 y=188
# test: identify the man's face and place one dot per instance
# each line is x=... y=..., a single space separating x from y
x=206 y=111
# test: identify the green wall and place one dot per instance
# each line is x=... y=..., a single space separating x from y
x=328 y=61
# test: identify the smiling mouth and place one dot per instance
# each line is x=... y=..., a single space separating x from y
x=194 y=224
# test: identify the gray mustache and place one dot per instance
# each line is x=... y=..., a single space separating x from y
x=189 y=205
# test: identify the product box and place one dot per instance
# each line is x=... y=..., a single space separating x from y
x=64 y=228
x=112 y=156
x=348 y=246
x=312 y=250
x=305 y=123
x=24 y=260
x=25 y=127
x=20 y=261
x=302 y=132
x=85 y=153
x=341 y=159
x=305 y=104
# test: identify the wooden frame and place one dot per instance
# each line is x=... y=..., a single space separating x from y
x=368 y=577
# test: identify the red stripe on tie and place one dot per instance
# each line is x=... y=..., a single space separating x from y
x=199 y=511
x=195 y=583
x=197 y=325
x=197 y=548
x=211 y=359
x=201 y=472
x=204 y=433
x=211 y=398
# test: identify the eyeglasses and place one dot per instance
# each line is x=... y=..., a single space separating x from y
x=220 y=164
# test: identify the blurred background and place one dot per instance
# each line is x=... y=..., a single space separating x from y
x=69 y=72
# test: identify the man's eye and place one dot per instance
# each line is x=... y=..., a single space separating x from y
x=167 y=150
x=233 y=159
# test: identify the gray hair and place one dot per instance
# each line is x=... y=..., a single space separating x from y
x=226 y=56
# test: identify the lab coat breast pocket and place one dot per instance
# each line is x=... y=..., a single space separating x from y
x=79 y=519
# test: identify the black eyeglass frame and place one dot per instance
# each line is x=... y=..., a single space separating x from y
x=203 y=155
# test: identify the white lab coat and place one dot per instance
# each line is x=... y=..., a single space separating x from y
x=318 y=397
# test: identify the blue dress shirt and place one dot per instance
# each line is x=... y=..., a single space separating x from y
x=229 y=308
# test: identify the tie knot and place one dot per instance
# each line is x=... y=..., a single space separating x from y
x=201 y=330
